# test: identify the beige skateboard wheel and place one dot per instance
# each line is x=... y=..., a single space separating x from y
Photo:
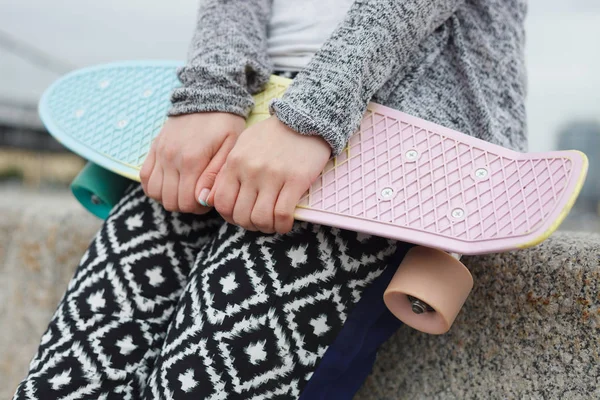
x=434 y=277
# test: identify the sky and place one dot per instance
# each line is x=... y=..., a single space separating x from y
x=563 y=57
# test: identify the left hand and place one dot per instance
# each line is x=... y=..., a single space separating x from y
x=269 y=169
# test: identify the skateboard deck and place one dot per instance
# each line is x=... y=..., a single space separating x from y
x=399 y=177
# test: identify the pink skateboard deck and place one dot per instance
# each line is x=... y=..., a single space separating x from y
x=409 y=179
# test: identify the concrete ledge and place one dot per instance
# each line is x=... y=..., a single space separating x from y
x=42 y=239
x=530 y=329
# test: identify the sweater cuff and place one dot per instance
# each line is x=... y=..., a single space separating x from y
x=300 y=120
x=213 y=88
x=187 y=100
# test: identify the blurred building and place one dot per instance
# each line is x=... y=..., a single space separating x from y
x=584 y=135
x=20 y=126
x=28 y=154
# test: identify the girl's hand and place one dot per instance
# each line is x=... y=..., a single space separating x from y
x=186 y=156
x=266 y=174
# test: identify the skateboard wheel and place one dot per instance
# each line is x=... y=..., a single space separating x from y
x=428 y=290
x=98 y=190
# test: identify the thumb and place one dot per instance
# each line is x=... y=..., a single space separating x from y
x=211 y=195
x=207 y=180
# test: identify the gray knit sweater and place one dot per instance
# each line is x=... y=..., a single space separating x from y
x=458 y=63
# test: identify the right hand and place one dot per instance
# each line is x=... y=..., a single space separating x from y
x=186 y=157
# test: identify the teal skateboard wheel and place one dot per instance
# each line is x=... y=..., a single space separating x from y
x=98 y=189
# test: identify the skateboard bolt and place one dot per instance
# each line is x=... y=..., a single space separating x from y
x=122 y=123
x=481 y=173
x=79 y=113
x=148 y=93
x=387 y=193
x=419 y=306
x=104 y=84
x=96 y=200
x=412 y=155
x=458 y=213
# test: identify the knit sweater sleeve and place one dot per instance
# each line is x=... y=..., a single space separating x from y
x=371 y=45
x=227 y=60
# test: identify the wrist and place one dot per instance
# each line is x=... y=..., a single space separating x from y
x=318 y=140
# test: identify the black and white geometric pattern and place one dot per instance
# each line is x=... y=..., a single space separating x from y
x=172 y=306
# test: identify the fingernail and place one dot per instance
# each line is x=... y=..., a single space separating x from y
x=203 y=197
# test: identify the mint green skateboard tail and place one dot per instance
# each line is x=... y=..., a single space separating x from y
x=98 y=189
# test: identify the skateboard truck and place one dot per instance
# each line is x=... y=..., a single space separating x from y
x=419 y=306
x=95 y=200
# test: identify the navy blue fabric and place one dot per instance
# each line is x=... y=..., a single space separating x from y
x=349 y=360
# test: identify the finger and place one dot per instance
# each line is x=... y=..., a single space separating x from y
x=155 y=183
x=225 y=196
x=187 y=183
x=147 y=167
x=263 y=213
x=170 y=189
x=244 y=205
x=286 y=205
x=210 y=199
x=206 y=183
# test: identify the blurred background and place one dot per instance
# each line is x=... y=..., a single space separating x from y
x=41 y=40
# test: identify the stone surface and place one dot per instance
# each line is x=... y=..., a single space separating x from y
x=42 y=238
x=530 y=329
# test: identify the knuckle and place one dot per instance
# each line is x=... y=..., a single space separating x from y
x=235 y=159
x=254 y=169
x=223 y=207
x=188 y=210
x=243 y=163
x=247 y=226
x=275 y=172
x=187 y=206
x=170 y=206
x=238 y=223
x=285 y=226
x=144 y=176
x=261 y=221
x=243 y=221
x=283 y=214
x=169 y=152
x=153 y=197
x=151 y=193
x=188 y=160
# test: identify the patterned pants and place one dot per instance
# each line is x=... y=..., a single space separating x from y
x=172 y=306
